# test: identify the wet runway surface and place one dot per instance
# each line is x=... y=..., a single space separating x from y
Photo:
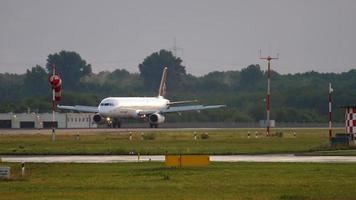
x=160 y=158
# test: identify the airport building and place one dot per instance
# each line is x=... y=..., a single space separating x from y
x=44 y=120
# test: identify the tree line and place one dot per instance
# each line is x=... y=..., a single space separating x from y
x=300 y=97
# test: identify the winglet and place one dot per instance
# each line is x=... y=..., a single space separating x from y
x=162 y=85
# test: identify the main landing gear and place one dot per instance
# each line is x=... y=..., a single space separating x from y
x=116 y=124
x=153 y=125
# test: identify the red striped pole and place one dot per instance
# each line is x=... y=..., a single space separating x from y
x=53 y=107
x=330 y=118
x=55 y=82
x=268 y=97
x=268 y=101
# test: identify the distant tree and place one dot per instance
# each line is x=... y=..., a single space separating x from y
x=36 y=81
x=257 y=112
x=119 y=74
x=152 y=66
x=213 y=81
x=70 y=66
x=10 y=87
x=251 y=76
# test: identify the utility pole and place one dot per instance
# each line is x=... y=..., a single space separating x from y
x=268 y=97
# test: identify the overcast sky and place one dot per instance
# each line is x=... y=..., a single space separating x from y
x=218 y=35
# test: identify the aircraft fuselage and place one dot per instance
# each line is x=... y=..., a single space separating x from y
x=130 y=107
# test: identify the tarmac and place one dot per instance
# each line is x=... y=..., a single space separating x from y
x=281 y=158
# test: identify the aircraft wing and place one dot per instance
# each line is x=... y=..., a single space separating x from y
x=182 y=102
x=182 y=109
x=91 y=109
x=190 y=108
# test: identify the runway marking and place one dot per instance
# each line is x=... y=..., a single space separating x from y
x=283 y=158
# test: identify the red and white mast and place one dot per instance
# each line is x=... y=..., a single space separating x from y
x=53 y=106
x=56 y=82
x=268 y=97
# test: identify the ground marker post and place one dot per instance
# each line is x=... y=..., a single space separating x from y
x=23 y=169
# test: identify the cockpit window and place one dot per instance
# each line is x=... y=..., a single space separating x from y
x=106 y=104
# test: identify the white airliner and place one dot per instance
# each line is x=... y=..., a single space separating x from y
x=112 y=109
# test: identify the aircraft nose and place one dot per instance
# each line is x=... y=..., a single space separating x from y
x=104 y=111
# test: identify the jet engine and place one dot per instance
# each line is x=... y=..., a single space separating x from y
x=97 y=118
x=156 y=118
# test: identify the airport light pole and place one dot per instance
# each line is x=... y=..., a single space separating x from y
x=268 y=97
x=330 y=110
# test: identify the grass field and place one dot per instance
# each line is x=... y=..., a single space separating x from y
x=230 y=141
x=284 y=181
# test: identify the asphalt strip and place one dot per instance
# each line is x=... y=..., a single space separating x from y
x=286 y=158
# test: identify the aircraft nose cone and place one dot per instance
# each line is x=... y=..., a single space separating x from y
x=104 y=111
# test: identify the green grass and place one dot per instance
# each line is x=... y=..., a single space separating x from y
x=284 y=181
x=234 y=141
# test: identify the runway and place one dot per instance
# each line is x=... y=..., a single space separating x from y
x=282 y=158
x=86 y=131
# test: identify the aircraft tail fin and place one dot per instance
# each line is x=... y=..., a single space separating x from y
x=162 y=85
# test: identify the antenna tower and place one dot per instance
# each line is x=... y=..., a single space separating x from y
x=268 y=97
x=175 y=48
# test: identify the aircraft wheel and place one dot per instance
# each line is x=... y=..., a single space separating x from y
x=116 y=124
